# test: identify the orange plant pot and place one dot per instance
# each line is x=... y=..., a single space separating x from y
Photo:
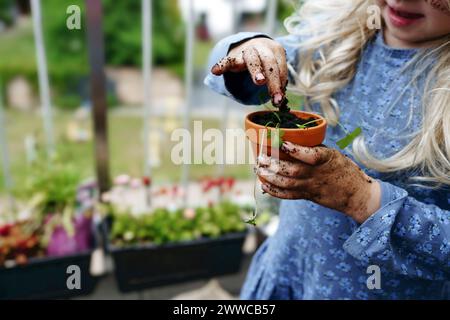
x=308 y=137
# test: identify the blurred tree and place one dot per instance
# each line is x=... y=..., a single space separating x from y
x=123 y=32
x=66 y=49
x=122 y=29
x=23 y=6
x=7 y=12
x=287 y=8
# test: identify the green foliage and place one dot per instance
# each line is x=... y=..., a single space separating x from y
x=251 y=221
x=66 y=49
x=305 y=125
x=53 y=185
x=6 y=12
x=348 y=139
x=124 y=156
x=286 y=8
x=163 y=226
x=295 y=101
x=17 y=54
x=276 y=137
x=122 y=33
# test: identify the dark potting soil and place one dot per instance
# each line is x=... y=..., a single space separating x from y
x=288 y=120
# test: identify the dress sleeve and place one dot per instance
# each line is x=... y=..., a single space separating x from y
x=405 y=235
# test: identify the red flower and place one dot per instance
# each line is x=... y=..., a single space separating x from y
x=5 y=230
x=220 y=181
x=230 y=183
x=147 y=181
x=175 y=190
x=207 y=184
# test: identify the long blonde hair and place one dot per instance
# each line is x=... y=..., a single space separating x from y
x=328 y=62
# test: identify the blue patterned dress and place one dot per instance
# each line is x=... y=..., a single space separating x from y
x=319 y=253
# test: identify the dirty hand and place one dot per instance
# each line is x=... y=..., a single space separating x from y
x=265 y=60
x=322 y=175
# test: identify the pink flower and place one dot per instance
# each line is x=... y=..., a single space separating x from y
x=135 y=183
x=62 y=244
x=122 y=179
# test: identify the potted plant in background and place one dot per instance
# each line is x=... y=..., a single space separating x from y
x=54 y=231
x=168 y=245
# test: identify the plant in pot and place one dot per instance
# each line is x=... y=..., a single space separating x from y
x=268 y=129
x=169 y=246
x=66 y=227
x=54 y=234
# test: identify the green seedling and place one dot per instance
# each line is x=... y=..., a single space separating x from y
x=348 y=139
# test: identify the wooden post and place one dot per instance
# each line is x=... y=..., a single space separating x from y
x=98 y=91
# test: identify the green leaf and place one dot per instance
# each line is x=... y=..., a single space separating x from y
x=251 y=221
x=269 y=123
x=67 y=221
x=278 y=116
x=305 y=125
x=277 y=139
x=348 y=139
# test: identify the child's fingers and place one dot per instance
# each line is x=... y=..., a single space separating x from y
x=272 y=73
x=309 y=155
x=229 y=63
x=285 y=168
x=221 y=67
x=280 y=180
x=283 y=193
x=282 y=66
x=254 y=67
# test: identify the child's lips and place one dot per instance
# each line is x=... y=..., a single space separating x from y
x=401 y=18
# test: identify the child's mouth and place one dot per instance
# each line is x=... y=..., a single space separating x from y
x=401 y=18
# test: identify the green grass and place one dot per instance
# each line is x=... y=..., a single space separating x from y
x=202 y=51
x=125 y=141
x=17 y=52
x=295 y=101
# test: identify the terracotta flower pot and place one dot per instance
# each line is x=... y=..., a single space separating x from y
x=309 y=137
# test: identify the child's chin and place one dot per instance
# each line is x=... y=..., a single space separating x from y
x=409 y=35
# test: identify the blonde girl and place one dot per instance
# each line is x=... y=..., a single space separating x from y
x=383 y=205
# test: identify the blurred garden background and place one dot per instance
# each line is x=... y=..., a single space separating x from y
x=34 y=183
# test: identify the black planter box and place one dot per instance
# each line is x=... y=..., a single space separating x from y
x=146 y=266
x=46 y=278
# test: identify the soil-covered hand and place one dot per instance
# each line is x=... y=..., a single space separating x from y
x=264 y=59
x=322 y=175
